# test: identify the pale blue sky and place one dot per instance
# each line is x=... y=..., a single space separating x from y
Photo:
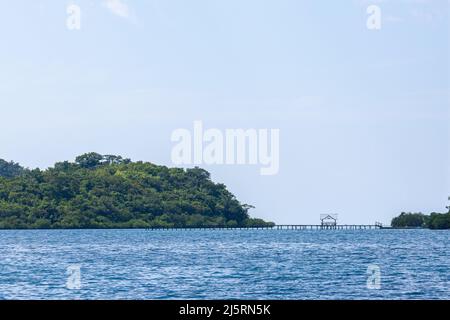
x=363 y=114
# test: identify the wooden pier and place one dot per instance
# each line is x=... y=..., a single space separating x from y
x=327 y=227
x=282 y=227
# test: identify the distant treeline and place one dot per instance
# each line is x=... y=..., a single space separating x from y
x=107 y=191
x=420 y=220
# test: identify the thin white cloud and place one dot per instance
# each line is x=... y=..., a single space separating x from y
x=118 y=8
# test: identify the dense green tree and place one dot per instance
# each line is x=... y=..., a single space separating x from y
x=10 y=169
x=89 y=160
x=414 y=220
x=411 y=220
x=99 y=191
x=439 y=221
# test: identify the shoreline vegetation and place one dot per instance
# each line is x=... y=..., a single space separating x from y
x=106 y=191
x=435 y=221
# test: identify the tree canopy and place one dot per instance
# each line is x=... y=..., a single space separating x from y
x=107 y=191
x=10 y=169
x=420 y=220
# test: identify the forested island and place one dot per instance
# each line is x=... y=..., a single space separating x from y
x=419 y=220
x=107 y=191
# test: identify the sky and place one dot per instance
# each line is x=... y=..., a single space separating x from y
x=363 y=114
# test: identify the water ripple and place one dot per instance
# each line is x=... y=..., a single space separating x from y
x=239 y=264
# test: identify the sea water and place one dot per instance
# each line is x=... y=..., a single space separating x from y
x=224 y=264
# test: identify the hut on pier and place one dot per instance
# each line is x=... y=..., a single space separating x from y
x=328 y=220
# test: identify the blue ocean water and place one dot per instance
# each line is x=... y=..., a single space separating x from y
x=225 y=264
